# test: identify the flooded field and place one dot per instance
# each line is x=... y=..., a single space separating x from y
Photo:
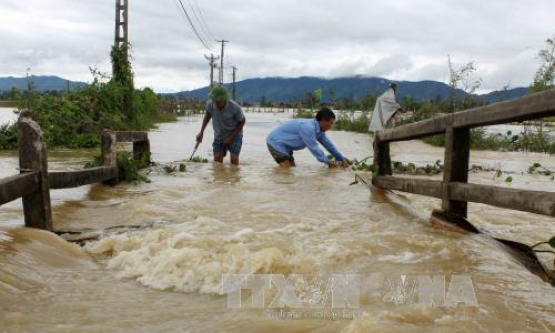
x=158 y=264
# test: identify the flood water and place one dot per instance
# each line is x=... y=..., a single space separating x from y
x=159 y=263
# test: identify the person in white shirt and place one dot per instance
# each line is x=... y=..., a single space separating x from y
x=385 y=109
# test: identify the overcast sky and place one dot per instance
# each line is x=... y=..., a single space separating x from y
x=399 y=40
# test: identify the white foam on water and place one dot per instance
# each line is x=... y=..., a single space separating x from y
x=170 y=259
x=180 y=258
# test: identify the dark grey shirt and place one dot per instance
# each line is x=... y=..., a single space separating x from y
x=224 y=121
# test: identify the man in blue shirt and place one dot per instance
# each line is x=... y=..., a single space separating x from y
x=299 y=134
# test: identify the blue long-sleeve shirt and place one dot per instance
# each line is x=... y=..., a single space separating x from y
x=299 y=134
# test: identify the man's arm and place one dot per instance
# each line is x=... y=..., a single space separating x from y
x=235 y=131
x=205 y=122
x=331 y=148
x=239 y=116
x=308 y=136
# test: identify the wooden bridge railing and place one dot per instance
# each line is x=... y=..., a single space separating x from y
x=34 y=182
x=454 y=190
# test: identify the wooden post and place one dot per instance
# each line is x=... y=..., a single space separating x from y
x=108 y=155
x=32 y=158
x=382 y=157
x=457 y=157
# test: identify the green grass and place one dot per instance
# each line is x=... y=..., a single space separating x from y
x=480 y=140
x=349 y=124
x=128 y=167
x=303 y=114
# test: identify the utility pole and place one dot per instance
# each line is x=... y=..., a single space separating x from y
x=233 y=86
x=29 y=88
x=222 y=61
x=122 y=22
x=212 y=60
x=121 y=42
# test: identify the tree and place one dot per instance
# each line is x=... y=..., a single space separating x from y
x=30 y=93
x=331 y=92
x=123 y=75
x=409 y=103
x=310 y=100
x=545 y=76
x=368 y=101
x=465 y=76
x=15 y=94
x=318 y=96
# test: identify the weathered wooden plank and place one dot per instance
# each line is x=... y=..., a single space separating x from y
x=15 y=187
x=457 y=156
x=69 y=179
x=417 y=130
x=131 y=136
x=431 y=188
x=538 y=202
x=32 y=158
x=525 y=108
x=527 y=201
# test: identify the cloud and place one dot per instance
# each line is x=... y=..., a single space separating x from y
x=402 y=39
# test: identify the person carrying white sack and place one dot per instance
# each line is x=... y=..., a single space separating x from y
x=386 y=107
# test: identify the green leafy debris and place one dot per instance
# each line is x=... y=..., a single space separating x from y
x=198 y=159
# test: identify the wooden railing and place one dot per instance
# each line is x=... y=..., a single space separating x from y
x=34 y=182
x=454 y=190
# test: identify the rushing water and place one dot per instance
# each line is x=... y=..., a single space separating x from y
x=159 y=262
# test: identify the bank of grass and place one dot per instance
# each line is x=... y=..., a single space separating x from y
x=304 y=114
x=129 y=167
x=8 y=137
x=346 y=121
x=480 y=140
x=8 y=104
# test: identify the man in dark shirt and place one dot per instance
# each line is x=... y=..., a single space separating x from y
x=228 y=121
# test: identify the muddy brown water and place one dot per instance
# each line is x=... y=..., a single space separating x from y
x=217 y=219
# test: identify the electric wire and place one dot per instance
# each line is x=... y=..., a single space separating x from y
x=191 y=23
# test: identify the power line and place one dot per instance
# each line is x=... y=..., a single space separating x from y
x=200 y=19
x=203 y=20
x=193 y=27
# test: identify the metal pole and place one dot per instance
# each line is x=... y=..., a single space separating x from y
x=233 y=87
x=222 y=61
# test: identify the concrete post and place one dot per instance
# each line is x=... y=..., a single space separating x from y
x=108 y=154
x=32 y=158
x=140 y=148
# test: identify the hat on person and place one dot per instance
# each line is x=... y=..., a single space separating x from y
x=219 y=94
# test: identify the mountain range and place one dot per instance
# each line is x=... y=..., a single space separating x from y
x=277 y=89
x=42 y=83
x=292 y=89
